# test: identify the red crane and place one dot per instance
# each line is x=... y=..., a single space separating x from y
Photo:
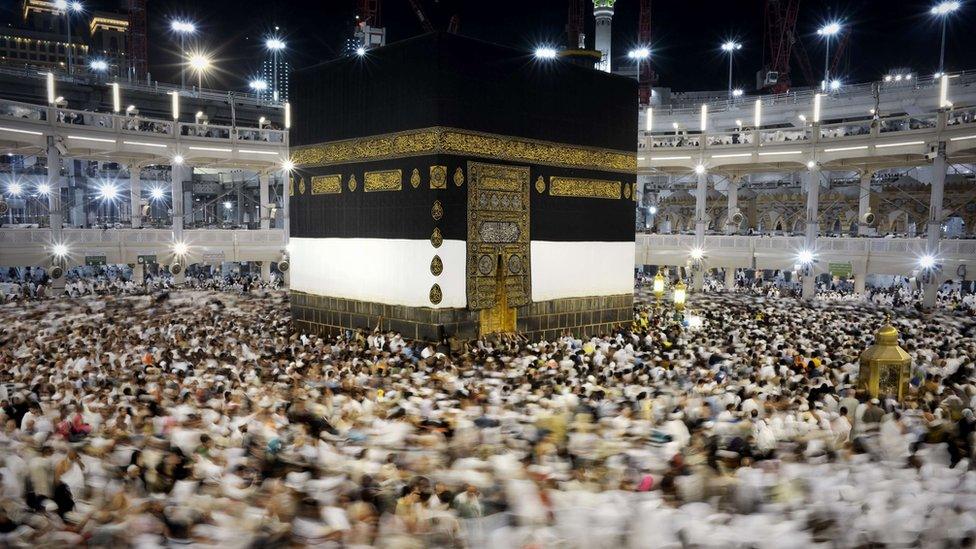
x=575 y=29
x=138 y=39
x=368 y=13
x=424 y=21
x=780 y=25
x=453 y=25
x=839 y=53
x=646 y=77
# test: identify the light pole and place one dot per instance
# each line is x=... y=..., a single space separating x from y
x=943 y=10
x=639 y=55
x=274 y=44
x=828 y=31
x=182 y=28
x=68 y=8
x=199 y=62
x=730 y=48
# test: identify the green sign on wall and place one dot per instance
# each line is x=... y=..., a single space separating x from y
x=146 y=259
x=841 y=270
x=95 y=260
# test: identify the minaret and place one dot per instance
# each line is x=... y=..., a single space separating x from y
x=603 y=12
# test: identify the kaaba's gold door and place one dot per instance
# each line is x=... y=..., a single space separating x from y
x=501 y=317
x=498 y=273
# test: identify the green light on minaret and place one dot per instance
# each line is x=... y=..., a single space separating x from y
x=603 y=3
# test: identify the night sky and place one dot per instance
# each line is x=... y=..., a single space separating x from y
x=686 y=33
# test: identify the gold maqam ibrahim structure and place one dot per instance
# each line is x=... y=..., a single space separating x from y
x=885 y=367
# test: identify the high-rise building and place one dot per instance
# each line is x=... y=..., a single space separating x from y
x=46 y=36
x=603 y=13
x=278 y=80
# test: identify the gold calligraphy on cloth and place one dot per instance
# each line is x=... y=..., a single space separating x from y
x=439 y=140
x=386 y=180
x=584 y=188
x=327 y=184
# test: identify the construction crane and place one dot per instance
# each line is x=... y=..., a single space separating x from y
x=368 y=13
x=453 y=25
x=647 y=78
x=780 y=28
x=369 y=32
x=575 y=34
x=840 y=53
x=424 y=21
x=138 y=39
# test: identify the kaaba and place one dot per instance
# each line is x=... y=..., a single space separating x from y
x=449 y=186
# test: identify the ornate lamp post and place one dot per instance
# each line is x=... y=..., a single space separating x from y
x=680 y=295
x=658 y=287
x=885 y=367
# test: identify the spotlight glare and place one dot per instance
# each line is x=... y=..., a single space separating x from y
x=546 y=53
x=288 y=165
x=156 y=193
x=180 y=248
x=700 y=169
x=44 y=189
x=275 y=43
x=697 y=254
x=228 y=205
x=59 y=250
x=199 y=62
x=731 y=46
x=183 y=26
x=98 y=65
x=829 y=29
x=178 y=159
x=737 y=92
x=835 y=85
x=653 y=210
x=360 y=51
x=108 y=192
x=15 y=189
x=258 y=84
x=926 y=262
x=945 y=8
x=805 y=257
x=639 y=53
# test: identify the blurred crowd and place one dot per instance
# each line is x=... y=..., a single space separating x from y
x=116 y=280
x=200 y=417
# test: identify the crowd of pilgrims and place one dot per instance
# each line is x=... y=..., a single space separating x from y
x=202 y=417
x=116 y=280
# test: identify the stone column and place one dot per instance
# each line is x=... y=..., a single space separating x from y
x=701 y=224
x=733 y=200
x=239 y=195
x=860 y=283
x=56 y=183
x=286 y=225
x=264 y=200
x=933 y=278
x=729 y=278
x=135 y=195
x=864 y=203
x=178 y=174
x=812 y=177
x=139 y=273
x=265 y=271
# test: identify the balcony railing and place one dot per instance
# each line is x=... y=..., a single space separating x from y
x=959 y=118
x=668 y=243
x=155 y=87
x=73 y=118
x=690 y=107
